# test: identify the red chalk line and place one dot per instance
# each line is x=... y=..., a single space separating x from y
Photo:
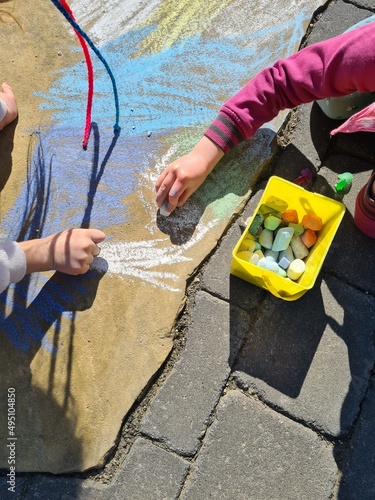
x=90 y=77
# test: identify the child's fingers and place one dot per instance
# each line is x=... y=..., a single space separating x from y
x=97 y=235
x=178 y=199
x=164 y=188
x=175 y=193
x=89 y=259
x=160 y=180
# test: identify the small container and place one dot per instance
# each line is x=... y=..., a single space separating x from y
x=331 y=212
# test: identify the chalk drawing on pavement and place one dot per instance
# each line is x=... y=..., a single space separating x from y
x=173 y=91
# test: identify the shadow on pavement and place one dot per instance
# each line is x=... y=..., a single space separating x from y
x=294 y=350
x=28 y=311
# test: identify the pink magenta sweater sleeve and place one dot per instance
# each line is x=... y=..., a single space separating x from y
x=336 y=67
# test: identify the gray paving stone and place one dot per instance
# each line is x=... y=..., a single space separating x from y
x=358 y=474
x=149 y=473
x=359 y=144
x=363 y=4
x=338 y=17
x=335 y=164
x=48 y=487
x=10 y=491
x=217 y=279
x=291 y=162
x=312 y=358
x=180 y=412
x=253 y=453
x=306 y=150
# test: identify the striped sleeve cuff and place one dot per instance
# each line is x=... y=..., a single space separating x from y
x=224 y=133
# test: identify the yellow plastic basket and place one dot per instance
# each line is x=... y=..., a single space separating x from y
x=330 y=211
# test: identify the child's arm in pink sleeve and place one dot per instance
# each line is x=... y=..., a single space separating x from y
x=336 y=67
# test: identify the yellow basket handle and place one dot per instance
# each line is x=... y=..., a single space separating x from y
x=274 y=292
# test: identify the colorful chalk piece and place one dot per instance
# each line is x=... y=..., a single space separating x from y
x=298 y=228
x=290 y=215
x=312 y=221
x=249 y=244
x=245 y=255
x=265 y=210
x=296 y=269
x=271 y=253
x=269 y=264
x=300 y=250
x=285 y=257
x=266 y=238
x=282 y=239
x=256 y=224
x=309 y=238
x=271 y=222
x=276 y=203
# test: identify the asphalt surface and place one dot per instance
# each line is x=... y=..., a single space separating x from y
x=262 y=398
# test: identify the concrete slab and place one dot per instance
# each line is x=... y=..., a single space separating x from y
x=313 y=358
x=216 y=278
x=150 y=472
x=179 y=414
x=48 y=487
x=11 y=487
x=338 y=17
x=252 y=453
x=357 y=473
x=362 y=4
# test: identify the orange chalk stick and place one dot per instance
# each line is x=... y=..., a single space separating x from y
x=290 y=215
x=312 y=221
x=309 y=238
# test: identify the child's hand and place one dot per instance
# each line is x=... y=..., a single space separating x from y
x=71 y=251
x=179 y=181
x=182 y=177
x=7 y=96
x=74 y=250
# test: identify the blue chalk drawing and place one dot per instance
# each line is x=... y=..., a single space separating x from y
x=160 y=93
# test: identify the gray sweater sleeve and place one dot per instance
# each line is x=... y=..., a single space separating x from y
x=12 y=263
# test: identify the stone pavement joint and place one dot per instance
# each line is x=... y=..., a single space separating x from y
x=175 y=418
x=253 y=452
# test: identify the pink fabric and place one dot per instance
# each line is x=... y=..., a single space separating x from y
x=363 y=121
